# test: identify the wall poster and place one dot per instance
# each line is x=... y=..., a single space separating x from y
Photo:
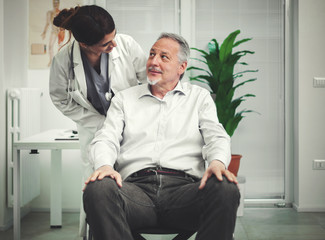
x=45 y=39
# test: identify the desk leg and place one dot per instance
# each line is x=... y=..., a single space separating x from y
x=56 y=188
x=16 y=206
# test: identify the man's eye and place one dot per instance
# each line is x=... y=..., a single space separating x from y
x=164 y=57
x=151 y=54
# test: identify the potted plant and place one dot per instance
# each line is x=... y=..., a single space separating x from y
x=223 y=82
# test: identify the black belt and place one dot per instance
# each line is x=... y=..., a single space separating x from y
x=158 y=171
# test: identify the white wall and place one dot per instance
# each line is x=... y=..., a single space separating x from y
x=2 y=124
x=13 y=72
x=310 y=193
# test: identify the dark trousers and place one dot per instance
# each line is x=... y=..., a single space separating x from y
x=166 y=201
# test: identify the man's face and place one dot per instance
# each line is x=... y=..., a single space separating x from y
x=163 y=64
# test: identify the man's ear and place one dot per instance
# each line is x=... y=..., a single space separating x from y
x=182 y=68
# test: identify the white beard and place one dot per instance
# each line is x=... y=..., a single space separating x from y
x=153 y=82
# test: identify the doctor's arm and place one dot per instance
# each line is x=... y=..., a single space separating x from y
x=61 y=95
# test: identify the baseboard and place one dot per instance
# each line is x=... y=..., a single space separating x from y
x=266 y=203
x=308 y=208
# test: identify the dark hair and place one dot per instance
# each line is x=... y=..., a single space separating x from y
x=88 y=24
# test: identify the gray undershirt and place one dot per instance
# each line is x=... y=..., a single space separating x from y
x=97 y=84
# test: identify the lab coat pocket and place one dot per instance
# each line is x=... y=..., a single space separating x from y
x=81 y=100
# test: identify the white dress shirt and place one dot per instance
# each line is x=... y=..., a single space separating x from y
x=180 y=131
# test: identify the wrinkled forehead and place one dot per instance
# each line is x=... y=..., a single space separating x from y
x=166 y=45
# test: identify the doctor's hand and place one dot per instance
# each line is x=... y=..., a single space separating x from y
x=104 y=171
x=218 y=169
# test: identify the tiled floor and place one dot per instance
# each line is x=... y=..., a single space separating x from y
x=256 y=224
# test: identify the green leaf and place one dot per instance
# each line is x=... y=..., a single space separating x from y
x=198 y=80
x=242 y=41
x=199 y=69
x=244 y=82
x=227 y=46
x=201 y=51
x=199 y=60
x=240 y=74
x=213 y=46
x=232 y=124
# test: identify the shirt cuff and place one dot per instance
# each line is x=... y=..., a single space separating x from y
x=225 y=159
x=100 y=154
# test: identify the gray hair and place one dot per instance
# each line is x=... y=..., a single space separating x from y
x=184 y=49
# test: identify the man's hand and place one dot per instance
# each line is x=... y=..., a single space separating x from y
x=105 y=171
x=218 y=169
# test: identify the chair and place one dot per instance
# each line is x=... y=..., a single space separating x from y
x=182 y=235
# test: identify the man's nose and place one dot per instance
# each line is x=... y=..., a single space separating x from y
x=155 y=60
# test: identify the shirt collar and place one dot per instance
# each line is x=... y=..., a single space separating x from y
x=145 y=90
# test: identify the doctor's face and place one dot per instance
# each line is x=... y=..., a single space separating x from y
x=105 y=45
x=163 y=63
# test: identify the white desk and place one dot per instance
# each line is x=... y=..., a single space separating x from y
x=43 y=141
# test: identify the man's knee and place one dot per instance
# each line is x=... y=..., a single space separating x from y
x=224 y=192
x=100 y=189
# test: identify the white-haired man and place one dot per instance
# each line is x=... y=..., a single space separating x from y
x=151 y=153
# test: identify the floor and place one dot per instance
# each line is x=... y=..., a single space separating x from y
x=256 y=224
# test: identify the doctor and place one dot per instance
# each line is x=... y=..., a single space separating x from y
x=87 y=72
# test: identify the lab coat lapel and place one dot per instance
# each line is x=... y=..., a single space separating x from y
x=79 y=69
x=80 y=93
x=113 y=56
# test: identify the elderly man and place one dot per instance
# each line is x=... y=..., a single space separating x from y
x=150 y=157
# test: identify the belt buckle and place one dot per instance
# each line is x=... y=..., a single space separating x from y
x=155 y=171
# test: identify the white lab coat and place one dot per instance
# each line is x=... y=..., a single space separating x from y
x=68 y=88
